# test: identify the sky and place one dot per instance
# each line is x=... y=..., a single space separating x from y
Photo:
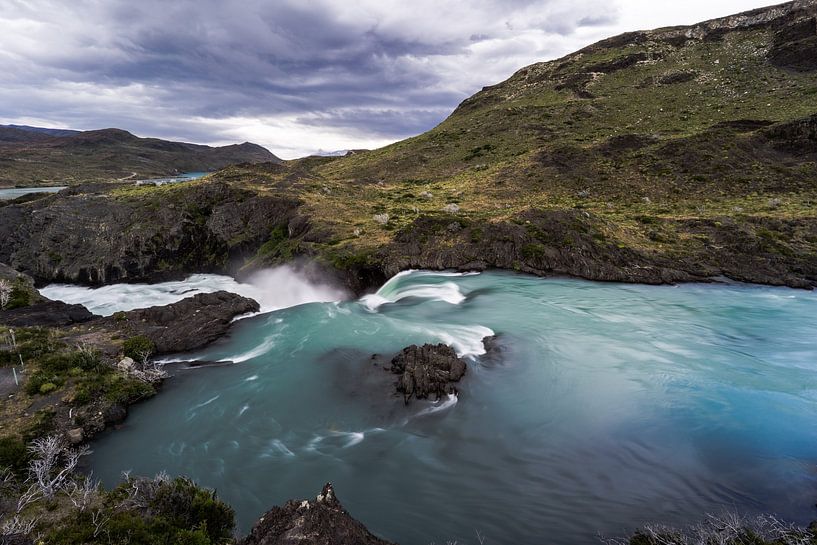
x=296 y=76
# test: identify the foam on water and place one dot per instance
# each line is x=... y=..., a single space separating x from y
x=439 y=405
x=606 y=407
x=465 y=340
x=277 y=447
x=273 y=289
x=262 y=348
x=338 y=439
x=392 y=291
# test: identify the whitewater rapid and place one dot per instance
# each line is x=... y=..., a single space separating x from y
x=273 y=289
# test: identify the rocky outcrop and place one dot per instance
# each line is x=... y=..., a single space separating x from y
x=322 y=521
x=188 y=324
x=104 y=234
x=795 y=45
x=575 y=243
x=427 y=370
x=46 y=314
x=797 y=138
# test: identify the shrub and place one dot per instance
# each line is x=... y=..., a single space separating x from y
x=35 y=341
x=47 y=388
x=8 y=357
x=279 y=245
x=14 y=455
x=86 y=358
x=119 y=389
x=82 y=397
x=127 y=527
x=135 y=347
x=38 y=379
x=533 y=251
x=42 y=424
x=152 y=511
x=185 y=505
x=19 y=296
x=57 y=362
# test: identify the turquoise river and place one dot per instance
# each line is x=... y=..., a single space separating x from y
x=606 y=406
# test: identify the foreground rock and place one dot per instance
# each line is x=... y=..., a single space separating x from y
x=46 y=314
x=188 y=324
x=322 y=521
x=427 y=370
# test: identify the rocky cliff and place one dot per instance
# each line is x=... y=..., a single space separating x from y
x=676 y=154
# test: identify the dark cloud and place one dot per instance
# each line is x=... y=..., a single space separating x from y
x=293 y=75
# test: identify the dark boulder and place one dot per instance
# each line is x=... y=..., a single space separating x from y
x=188 y=324
x=322 y=521
x=427 y=370
x=47 y=314
x=494 y=349
x=115 y=414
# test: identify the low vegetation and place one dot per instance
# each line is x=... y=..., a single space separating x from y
x=727 y=528
x=41 y=494
x=61 y=387
x=53 y=504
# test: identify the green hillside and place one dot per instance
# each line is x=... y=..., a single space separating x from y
x=668 y=155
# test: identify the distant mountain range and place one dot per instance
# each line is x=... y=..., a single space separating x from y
x=43 y=130
x=45 y=156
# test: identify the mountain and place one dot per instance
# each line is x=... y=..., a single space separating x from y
x=37 y=156
x=673 y=154
x=43 y=130
x=677 y=154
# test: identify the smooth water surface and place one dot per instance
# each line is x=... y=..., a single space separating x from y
x=608 y=406
x=175 y=179
x=14 y=192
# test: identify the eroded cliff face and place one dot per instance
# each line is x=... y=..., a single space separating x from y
x=578 y=243
x=99 y=235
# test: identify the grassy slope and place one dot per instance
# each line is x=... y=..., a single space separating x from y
x=643 y=132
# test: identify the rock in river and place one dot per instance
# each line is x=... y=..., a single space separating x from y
x=185 y=325
x=427 y=370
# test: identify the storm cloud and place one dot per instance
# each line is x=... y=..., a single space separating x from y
x=295 y=76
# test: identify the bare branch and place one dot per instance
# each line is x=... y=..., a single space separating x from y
x=726 y=528
x=32 y=494
x=147 y=369
x=82 y=493
x=99 y=519
x=53 y=463
x=5 y=292
x=17 y=526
